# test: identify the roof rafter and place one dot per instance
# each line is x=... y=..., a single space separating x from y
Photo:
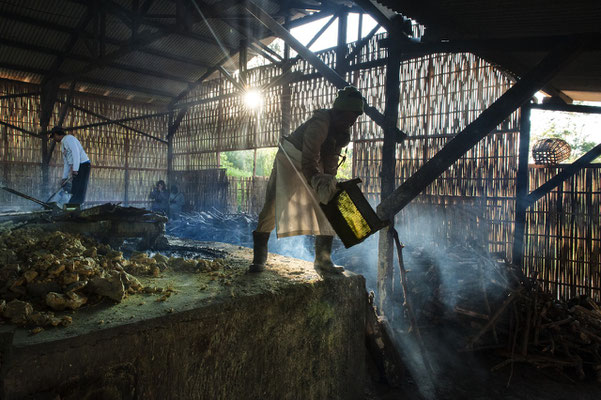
x=77 y=57
x=91 y=81
x=129 y=18
x=65 y=29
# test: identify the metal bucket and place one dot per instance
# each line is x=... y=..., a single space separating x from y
x=350 y=214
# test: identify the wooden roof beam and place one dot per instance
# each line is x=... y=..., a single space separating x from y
x=92 y=81
x=121 y=124
x=141 y=40
x=128 y=17
x=119 y=66
x=308 y=55
x=65 y=29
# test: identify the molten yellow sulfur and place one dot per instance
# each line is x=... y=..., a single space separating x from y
x=353 y=217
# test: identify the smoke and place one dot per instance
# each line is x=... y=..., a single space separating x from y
x=301 y=247
x=447 y=270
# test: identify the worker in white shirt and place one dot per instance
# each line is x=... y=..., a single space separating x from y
x=76 y=164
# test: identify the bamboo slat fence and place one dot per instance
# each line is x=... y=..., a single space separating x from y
x=562 y=233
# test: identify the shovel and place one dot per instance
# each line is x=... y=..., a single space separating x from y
x=59 y=189
x=46 y=205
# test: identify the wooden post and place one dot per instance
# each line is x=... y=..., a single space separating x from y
x=173 y=126
x=6 y=163
x=341 y=47
x=521 y=187
x=391 y=114
x=47 y=100
x=242 y=59
x=329 y=74
x=170 y=134
x=126 y=174
x=286 y=99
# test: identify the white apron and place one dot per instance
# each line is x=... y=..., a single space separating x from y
x=297 y=210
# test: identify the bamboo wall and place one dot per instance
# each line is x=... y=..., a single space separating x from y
x=440 y=95
x=125 y=164
x=562 y=233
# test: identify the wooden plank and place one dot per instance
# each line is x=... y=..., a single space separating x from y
x=385 y=243
x=521 y=187
x=566 y=173
x=568 y=108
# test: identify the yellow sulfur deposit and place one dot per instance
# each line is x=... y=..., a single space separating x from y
x=43 y=272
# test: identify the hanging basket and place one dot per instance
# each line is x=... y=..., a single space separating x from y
x=550 y=151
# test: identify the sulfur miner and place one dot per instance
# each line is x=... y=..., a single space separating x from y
x=304 y=175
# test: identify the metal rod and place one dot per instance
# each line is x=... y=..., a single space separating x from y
x=115 y=121
x=25 y=196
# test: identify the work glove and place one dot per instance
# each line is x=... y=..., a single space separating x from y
x=325 y=187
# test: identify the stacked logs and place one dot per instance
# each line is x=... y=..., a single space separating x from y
x=495 y=306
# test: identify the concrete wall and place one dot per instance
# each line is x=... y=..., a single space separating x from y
x=306 y=341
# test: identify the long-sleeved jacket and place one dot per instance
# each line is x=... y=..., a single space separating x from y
x=73 y=154
x=317 y=141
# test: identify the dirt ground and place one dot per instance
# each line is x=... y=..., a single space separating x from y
x=469 y=376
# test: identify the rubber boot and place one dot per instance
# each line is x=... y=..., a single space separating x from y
x=260 y=240
x=323 y=252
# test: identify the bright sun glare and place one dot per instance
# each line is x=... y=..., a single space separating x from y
x=253 y=99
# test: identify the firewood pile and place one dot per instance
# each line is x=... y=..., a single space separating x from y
x=495 y=306
x=42 y=273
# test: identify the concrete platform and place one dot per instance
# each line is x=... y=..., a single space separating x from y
x=286 y=333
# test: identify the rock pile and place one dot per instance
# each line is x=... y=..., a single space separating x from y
x=41 y=273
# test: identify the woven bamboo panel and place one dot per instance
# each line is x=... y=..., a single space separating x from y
x=562 y=235
x=246 y=194
x=204 y=189
x=224 y=122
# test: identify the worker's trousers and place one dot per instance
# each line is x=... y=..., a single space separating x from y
x=80 y=184
x=267 y=215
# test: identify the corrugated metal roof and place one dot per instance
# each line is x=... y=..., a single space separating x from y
x=58 y=12
x=34 y=33
x=523 y=19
